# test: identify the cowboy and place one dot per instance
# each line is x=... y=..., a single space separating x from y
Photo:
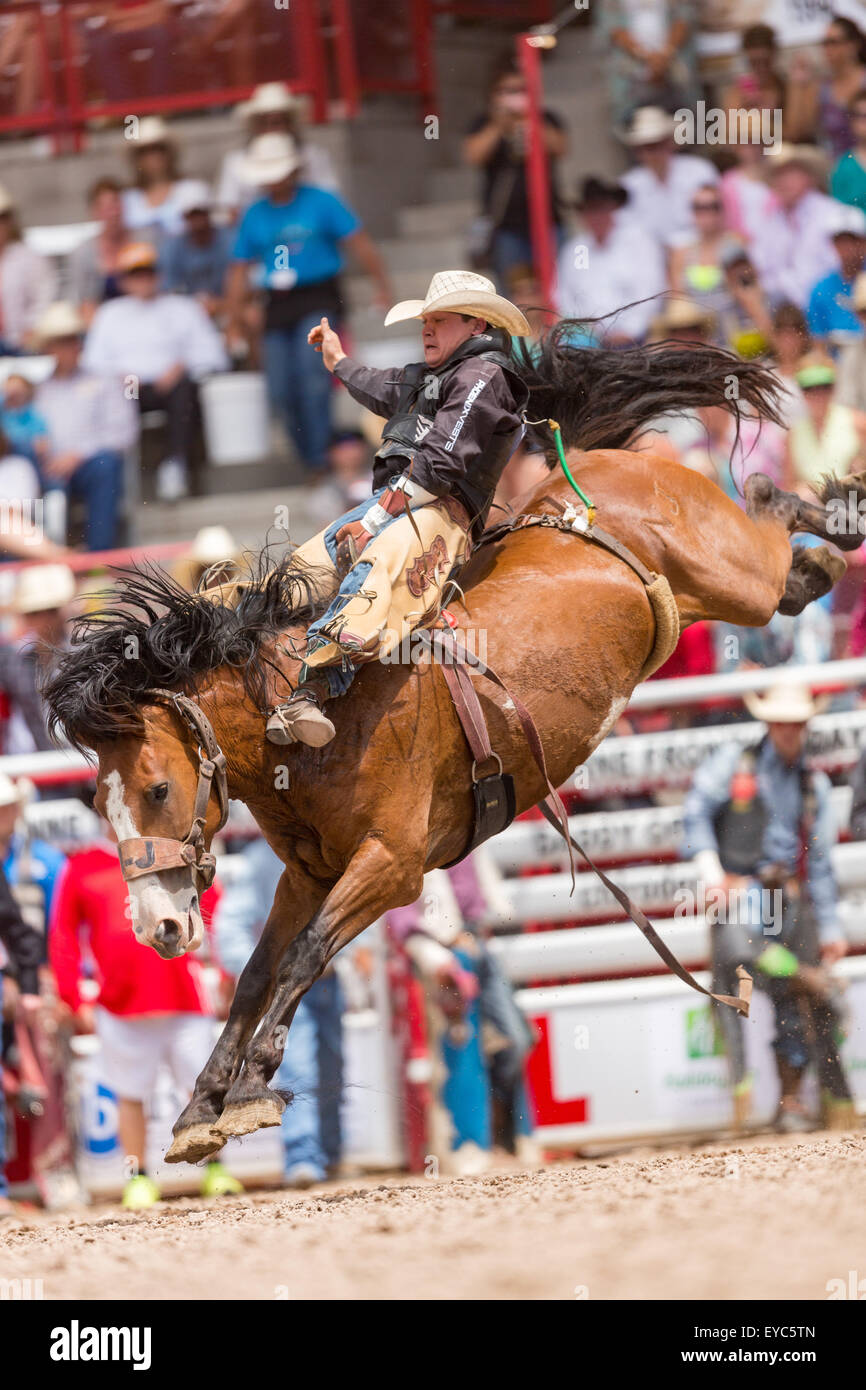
x=453 y=422
x=760 y=826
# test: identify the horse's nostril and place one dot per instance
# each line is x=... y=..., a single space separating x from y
x=167 y=933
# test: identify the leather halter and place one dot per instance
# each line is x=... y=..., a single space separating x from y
x=153 y=854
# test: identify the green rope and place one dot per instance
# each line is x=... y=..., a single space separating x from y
x=557 y=439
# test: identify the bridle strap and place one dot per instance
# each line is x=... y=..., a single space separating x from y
x=153 y=854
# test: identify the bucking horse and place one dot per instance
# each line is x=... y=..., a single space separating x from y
x=169 y=689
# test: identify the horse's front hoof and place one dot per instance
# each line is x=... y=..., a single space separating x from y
x=194 y=1143
x=247 y=1116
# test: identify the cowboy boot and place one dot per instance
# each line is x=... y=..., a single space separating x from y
x=300 y=719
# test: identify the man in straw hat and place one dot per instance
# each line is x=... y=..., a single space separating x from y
x=851 y=374
x=793 y=247
x=453 y=422
x=663 y=182
x=760 y=826
x=272 y=108
x=42 y=597
x=291 y=243
x=91 y=424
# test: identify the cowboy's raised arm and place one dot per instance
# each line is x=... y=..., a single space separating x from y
x=378 y=390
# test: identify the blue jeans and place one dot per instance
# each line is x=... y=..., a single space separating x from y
x=312 y=1067
x=299 y=385
x=512 y=249
x=99 y=482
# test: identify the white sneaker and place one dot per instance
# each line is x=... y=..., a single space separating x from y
x=302 y=1176
x=171 y=480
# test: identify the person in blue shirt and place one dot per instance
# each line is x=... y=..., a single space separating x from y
x=24 y=426
x=290 y=244
x=196 y=260
x=760 y=827
x=831 y=314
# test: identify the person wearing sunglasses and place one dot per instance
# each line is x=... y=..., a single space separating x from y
x=697 y=268
x=818 y=110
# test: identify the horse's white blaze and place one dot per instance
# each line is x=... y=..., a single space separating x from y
x=149 y=900
x=613 y=714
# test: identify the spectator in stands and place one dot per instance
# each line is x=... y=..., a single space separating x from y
x=793 y=248
x=759 y=818
x=832 y=319
x=609 y=266
x=23 y=425
x=747 y=198
x=93 y=266
x=848 y=180
x=91 y=424
x=350 y=463
x=857 y=779
x=166 y=343
x=196 y=260
x=745 y=322
x=827 y=437
x=271 y=108
x=312 y=1063
x=762 y=86
x=791 y=342
x=149 y=1012
x=24 y=948
x=299 y=275
x=131 y=48
x=819 y=110
x=32 y=866
x=851 y=366
x=697 y=263
x=496 y=144
x=155 y=204
x=663 y=183
x=27 y=283
x=42 y=599
x=651 y=55
x=214 y=553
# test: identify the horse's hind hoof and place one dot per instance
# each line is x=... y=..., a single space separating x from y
x=193 y=1143
x=249 y=1115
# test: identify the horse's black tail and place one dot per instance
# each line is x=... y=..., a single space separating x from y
x=603 y=398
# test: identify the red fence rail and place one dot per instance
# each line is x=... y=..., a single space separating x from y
x=62 y=65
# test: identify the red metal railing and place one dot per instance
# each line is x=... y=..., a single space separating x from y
x=66 y=68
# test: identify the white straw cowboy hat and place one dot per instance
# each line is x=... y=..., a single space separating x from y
x=848 y=221
x=784 y=704
x=60 y=320
x=43 y=587
x=649 y=125
x=266 y=99
x=809 y=157
x=212 y=544
x=682 y=312
x=151 y=130
x=271 y=158
x=463 y=292
x=15 y=790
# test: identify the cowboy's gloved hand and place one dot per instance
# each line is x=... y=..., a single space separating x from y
x=351 y=540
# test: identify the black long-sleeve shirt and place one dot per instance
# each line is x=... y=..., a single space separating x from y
x=475 y=429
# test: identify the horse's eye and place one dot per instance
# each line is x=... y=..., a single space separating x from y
x=158 y=793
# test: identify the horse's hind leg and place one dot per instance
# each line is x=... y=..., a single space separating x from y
x=376 y=879
x=195 y=1137
x=812 y=574
x=837 y=517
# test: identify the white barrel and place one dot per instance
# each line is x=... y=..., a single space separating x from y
x=234 y=408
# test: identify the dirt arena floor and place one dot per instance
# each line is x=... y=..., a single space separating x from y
x=763 y=1218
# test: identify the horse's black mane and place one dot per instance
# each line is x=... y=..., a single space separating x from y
x=151 y=633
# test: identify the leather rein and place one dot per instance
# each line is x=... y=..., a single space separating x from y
x=153 y=854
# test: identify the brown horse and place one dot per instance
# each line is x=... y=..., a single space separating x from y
x=358 y=822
